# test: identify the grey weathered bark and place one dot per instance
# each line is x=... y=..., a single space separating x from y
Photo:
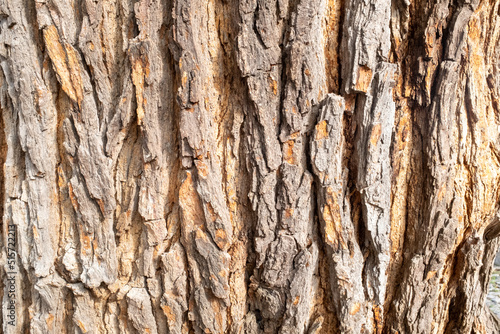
x=252 y=166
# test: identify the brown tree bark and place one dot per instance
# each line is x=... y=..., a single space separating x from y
x=251 y=166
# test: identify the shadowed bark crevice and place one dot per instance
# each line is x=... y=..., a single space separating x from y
x=252 y=166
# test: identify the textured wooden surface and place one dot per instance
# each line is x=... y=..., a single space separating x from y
x=251 y=166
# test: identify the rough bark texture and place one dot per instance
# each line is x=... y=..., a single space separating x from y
x=251 y=166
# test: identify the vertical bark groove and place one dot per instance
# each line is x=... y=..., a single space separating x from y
x=248 y=166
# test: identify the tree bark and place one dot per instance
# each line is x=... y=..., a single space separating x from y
x=251 y=166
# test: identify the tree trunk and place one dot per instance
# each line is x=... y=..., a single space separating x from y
x=261 y=166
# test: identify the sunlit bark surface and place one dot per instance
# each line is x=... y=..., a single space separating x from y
x=251 y=166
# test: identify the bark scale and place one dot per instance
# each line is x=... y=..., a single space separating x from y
x=252 y=166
